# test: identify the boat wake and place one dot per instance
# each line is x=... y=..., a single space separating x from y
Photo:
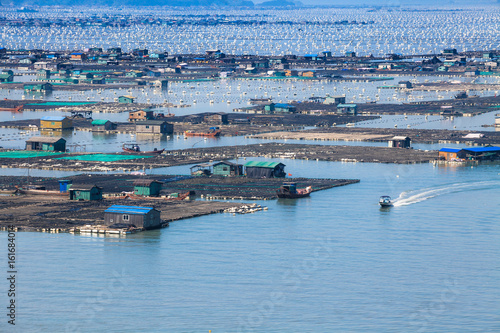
x=411 y=197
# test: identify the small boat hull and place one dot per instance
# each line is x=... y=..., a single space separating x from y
x=385 y=201
x=289 y=191
x=293 y=195
x=204 y=134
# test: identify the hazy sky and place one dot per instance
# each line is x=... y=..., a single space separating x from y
x=389 y=2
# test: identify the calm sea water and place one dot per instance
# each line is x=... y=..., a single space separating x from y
x=334 y=262
x=331 y=262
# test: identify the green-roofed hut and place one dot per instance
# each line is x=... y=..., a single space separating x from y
x=348 y=109
x=147 y=187
x=226 y=168
x=102 y=125
x=46 y=143
x=85 y=192
x=38 y=87
x=265 y=169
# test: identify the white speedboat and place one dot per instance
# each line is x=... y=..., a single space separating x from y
x=385 y=201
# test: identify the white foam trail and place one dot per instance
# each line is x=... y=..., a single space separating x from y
x=411 y=197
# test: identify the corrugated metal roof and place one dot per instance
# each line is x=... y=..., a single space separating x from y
x=262 y=164
x=52 y=118
x=399 y=137
x=129 y=210
x=83 y=187
x=227 y=163
x=151 y=122
x=450 y=150
x=483 y=149
x=145 y=182
x=44 y=139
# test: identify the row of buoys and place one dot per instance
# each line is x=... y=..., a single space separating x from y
x=391 y=32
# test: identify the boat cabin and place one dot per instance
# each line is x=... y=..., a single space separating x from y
x=385 y=201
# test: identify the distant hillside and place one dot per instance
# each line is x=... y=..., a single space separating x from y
x=180 y=3
x=278 y=3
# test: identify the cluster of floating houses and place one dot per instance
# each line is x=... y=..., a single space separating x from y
x=96 y=66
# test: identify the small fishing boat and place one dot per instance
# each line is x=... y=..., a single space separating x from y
x=213 y=132
x=290 y=191
x=385 y=201
x=133 y=148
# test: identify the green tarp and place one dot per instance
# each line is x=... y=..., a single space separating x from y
x=26 y=154
x=62 y=103
x=103 y=157
x=271 y=165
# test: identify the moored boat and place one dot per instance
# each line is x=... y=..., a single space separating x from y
x=290 y=191
x=212 y=133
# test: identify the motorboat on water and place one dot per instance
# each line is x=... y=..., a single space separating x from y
x=135 y=149
x=289 y=190
x=385 y=201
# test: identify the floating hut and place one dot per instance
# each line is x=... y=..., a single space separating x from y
x=265 y=169
x=147 y=187
x=85 y=192
x=46 y=144
x=154 y=127
x=226 y=168
x=400 y=142
x=102 y=125
x=55 y=123
x=140 y=217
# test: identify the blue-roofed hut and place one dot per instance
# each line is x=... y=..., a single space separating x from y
x=55 y=123
x=450 y=154
x=482 y=153
x=140 y=217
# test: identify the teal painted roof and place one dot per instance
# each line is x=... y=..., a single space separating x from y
x=271 y=165
x=346 y=105
x=99 y=122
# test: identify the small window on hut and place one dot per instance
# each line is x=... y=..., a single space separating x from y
x=125 y=217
